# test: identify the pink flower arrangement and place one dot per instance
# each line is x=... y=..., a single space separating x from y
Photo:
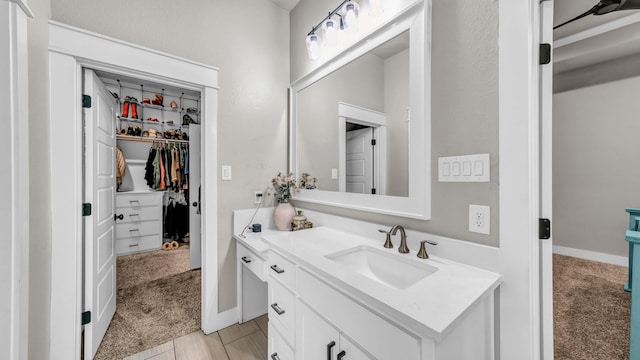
x=282 y=187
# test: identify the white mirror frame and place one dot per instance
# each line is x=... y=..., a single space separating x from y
x=417 y=19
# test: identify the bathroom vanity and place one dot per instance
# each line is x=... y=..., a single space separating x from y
x=336 y=295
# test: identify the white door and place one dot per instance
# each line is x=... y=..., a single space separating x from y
x=195 y=216
x=99 y=191
x=546 y=183
x=359 y=164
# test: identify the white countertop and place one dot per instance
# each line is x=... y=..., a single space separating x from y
x=432 y=306
x=254 y=241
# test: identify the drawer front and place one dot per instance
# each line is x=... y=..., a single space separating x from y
x=282 y=269
x=357 y=321
x=129 y=230
x=137 y=244
x=278 y=348
x=282 y=310
x=138 y=200
x=251 y=261
x=136 y=215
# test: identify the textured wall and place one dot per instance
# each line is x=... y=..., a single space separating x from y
x=595 y=177
x=464 y=111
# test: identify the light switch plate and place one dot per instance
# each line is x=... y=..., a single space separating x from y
x=480 y=219
x=466 y=168
x=226 y=172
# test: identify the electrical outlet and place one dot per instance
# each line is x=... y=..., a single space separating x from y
x=257 y=197
x=480 y=219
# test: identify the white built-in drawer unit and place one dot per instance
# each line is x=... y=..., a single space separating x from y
x=138 y=222
x=252 y=261
x=281 y=308
x=278 y=348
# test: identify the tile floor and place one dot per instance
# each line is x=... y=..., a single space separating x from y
x=245 y=341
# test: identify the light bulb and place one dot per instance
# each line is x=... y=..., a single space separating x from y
x=313 y=46
x=331 y=28
x=350 y=12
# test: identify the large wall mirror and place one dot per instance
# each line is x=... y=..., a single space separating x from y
x=360 y=122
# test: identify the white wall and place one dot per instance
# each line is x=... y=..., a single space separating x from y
x=595 y=172
x=246 y=39
x=464 y=113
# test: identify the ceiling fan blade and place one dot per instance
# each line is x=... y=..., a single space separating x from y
x=593 y=10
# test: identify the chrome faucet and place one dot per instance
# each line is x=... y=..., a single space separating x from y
x=403 y=238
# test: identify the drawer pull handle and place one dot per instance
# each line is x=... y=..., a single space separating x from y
x=330 y=349
x=275 y=356
x=132 y=215
x=133 y=245
x=134 y=202
x=132 y=230
x=341 y=354
x=277 y=309
x=277 y=269
x=118 y=217
x=244 y=258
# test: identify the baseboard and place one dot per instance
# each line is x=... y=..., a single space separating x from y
x=591 y=255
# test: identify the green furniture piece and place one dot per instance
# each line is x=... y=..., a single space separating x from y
x=632 y=236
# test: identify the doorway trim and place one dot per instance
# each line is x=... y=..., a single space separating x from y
x=71 y=49
x=363 y=116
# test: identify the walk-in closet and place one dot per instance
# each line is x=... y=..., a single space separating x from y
x=156 y=206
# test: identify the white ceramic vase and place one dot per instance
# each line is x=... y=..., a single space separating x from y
x=282 y=216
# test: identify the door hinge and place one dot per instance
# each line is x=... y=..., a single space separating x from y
x=544 y=229
x=86 y=317
x=545 y=53
x=373 y=191
x=86 y=209
x=373 y=142
x=86 y=101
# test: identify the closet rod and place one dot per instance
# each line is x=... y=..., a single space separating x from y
x=143 y=139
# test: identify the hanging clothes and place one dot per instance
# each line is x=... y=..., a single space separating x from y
x=148 y=170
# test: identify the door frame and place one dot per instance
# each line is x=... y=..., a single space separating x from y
x=71 y=49
x=14 y=111
x=363 y=116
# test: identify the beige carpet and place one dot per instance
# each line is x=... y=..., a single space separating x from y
x=591 y=310
x=157 y=301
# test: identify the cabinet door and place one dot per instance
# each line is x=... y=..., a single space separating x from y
x=315 y=338
x=351 y=351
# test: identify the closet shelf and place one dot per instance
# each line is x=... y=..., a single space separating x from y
x=149 y=140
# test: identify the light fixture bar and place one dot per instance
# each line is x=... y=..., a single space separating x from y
x=334 y=12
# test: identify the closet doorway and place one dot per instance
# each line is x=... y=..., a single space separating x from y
x=141 y=169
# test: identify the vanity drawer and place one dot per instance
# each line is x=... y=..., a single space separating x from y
x=357 y=321
x=136 y=215
x=128 y=230
x=251 y=261
x=137 y=244
x=278 y=348
x=282 y=310
x=282 y=269
x=138 y=200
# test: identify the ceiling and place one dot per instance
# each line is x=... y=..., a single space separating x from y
x=286 y=4
x=575 y=47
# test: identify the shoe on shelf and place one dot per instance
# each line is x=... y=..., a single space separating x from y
x=158 y=100
x=192 y=110
x=174 y=105
x=134 y=110
x=146 y=101
x=125 y=110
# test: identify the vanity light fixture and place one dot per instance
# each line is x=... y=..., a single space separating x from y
x=343 y=17
x=313 y=46
x=350 y=11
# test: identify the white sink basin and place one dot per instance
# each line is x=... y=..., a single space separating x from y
x=384 y=267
